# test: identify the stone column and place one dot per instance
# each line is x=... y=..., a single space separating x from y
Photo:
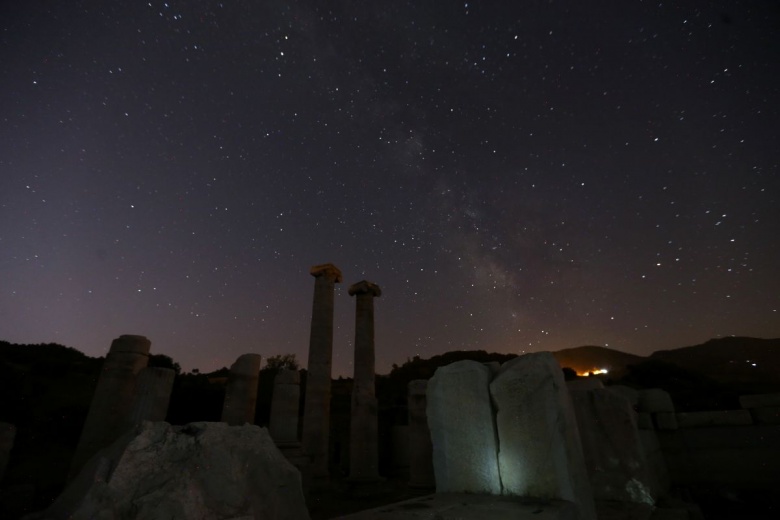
x=152 y=395
x=420 y=447
x=283 y=425
x=316 y=412
x=109 y=412
x=7 y=436
x=363 y=436
x=241 y=390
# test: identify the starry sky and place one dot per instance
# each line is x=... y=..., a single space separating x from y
x=516 y=176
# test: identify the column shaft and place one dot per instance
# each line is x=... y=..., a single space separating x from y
x=316 y=419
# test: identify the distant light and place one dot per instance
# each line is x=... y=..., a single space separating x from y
x=594 y=371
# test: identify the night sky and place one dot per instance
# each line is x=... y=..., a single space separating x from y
x=516 y=176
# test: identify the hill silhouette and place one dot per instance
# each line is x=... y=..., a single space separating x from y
x=590 y=358
x=733 y=360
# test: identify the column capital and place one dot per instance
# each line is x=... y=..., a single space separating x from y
x=364 y=287
x=329 y=270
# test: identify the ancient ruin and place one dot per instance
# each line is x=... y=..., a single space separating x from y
x=109 y=412
x=152 y=395
x=614 y=455
x=463 y=429
x=241 y=390
x=316 y=418
x=200 y=470
x=364 y=449
x=540 y=452
x=283 y=425
x=420 y=447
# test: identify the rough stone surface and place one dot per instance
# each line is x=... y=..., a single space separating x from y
x=655 y=458
x=241 y=390
x=463 y=431
x=200 y=471
x=420 y=447
x=613 y=450
x=540 y=451
x=110 y=409
x=714 y=418
x=283 y=424
x=759 y=400
x=655 y=400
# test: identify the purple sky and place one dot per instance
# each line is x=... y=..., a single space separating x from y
x=516 y=176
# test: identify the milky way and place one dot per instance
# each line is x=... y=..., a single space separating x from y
x=516 y=176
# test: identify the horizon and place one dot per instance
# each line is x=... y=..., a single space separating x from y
x=302 y=363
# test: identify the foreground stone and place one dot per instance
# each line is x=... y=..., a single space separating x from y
x=540 y=451
x=463 y=432
x=199 y=471
x=458 y=506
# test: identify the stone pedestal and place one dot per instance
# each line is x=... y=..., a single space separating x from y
x=316 y=412
x=241 y=391
x=540 y=451
x=152 y=395
x=363 y=438
x=463 y=431
x=7 y=436
x=420 y=447
x=109 y=412
x=283 y=425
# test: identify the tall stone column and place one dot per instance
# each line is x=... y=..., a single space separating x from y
x=316 y=411
x=283 y=425
x=112 y=401
x=420 y=446
x=363 y=441
x=241 y=390
x=152 y=395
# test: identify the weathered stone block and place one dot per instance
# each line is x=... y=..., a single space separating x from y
x=714 y=418
x=202 y=470
x=655 y=400
x=540 y=451
x=665 y=420
x=655 y=459
x=614 y=455
x=463 y=431
x=283 y=423
x=759 y=401
x=769 y=415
